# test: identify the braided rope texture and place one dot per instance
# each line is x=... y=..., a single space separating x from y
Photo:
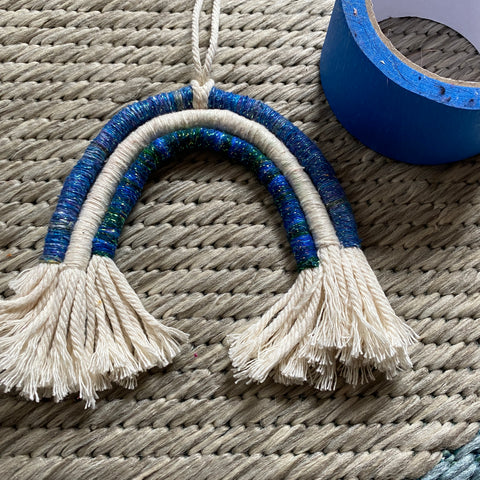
x=206 y=251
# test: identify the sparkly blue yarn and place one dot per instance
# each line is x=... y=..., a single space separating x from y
x=307 y=153
x=84 y=173
x=181 y=142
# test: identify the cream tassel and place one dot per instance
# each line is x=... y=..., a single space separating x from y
x=360 y=335
x=331 y=326
x=378 y=338
x=30 y=289
x=334 y=319
x=70 y=330
x=129 y=339
x=42 y=343
x=266 y=346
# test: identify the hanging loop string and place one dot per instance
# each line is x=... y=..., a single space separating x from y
x=202 y=83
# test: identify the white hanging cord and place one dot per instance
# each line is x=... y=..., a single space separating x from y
x=202 y=72
x=201 y=82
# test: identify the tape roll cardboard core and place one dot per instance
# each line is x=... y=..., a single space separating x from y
x=462 y=16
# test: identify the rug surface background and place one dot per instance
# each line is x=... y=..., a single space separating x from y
x=205 y=249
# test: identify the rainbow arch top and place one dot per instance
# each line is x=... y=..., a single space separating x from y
x=85 y=172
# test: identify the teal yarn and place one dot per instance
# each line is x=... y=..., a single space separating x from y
x=461 y=464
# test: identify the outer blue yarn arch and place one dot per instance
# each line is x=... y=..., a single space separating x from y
x=84 y=174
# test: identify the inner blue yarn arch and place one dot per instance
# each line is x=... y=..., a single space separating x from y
x=181 y=142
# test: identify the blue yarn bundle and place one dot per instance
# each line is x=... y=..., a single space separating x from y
x=461 y=464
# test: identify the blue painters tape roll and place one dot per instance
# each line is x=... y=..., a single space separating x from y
x=390 y=104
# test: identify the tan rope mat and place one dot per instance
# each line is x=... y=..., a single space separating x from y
x=206 y=251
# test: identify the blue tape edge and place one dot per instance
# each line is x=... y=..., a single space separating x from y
x=400 y=110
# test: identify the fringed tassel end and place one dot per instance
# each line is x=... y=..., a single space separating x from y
x=272 y=345
x=129 y=339
x=69 y=331
x=30 y=288
x=42 y=343
x=378 y=338
x=334 y=320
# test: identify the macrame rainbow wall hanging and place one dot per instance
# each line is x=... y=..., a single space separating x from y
x=76 y=325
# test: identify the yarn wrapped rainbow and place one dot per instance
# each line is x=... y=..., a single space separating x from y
x=76 y=325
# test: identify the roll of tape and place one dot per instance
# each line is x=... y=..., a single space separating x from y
x=390 y=104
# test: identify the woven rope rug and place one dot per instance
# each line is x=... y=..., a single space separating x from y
x=206 y=251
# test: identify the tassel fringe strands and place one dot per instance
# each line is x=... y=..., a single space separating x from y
x=76 y=325
x=77 y=331
x=331 y=321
